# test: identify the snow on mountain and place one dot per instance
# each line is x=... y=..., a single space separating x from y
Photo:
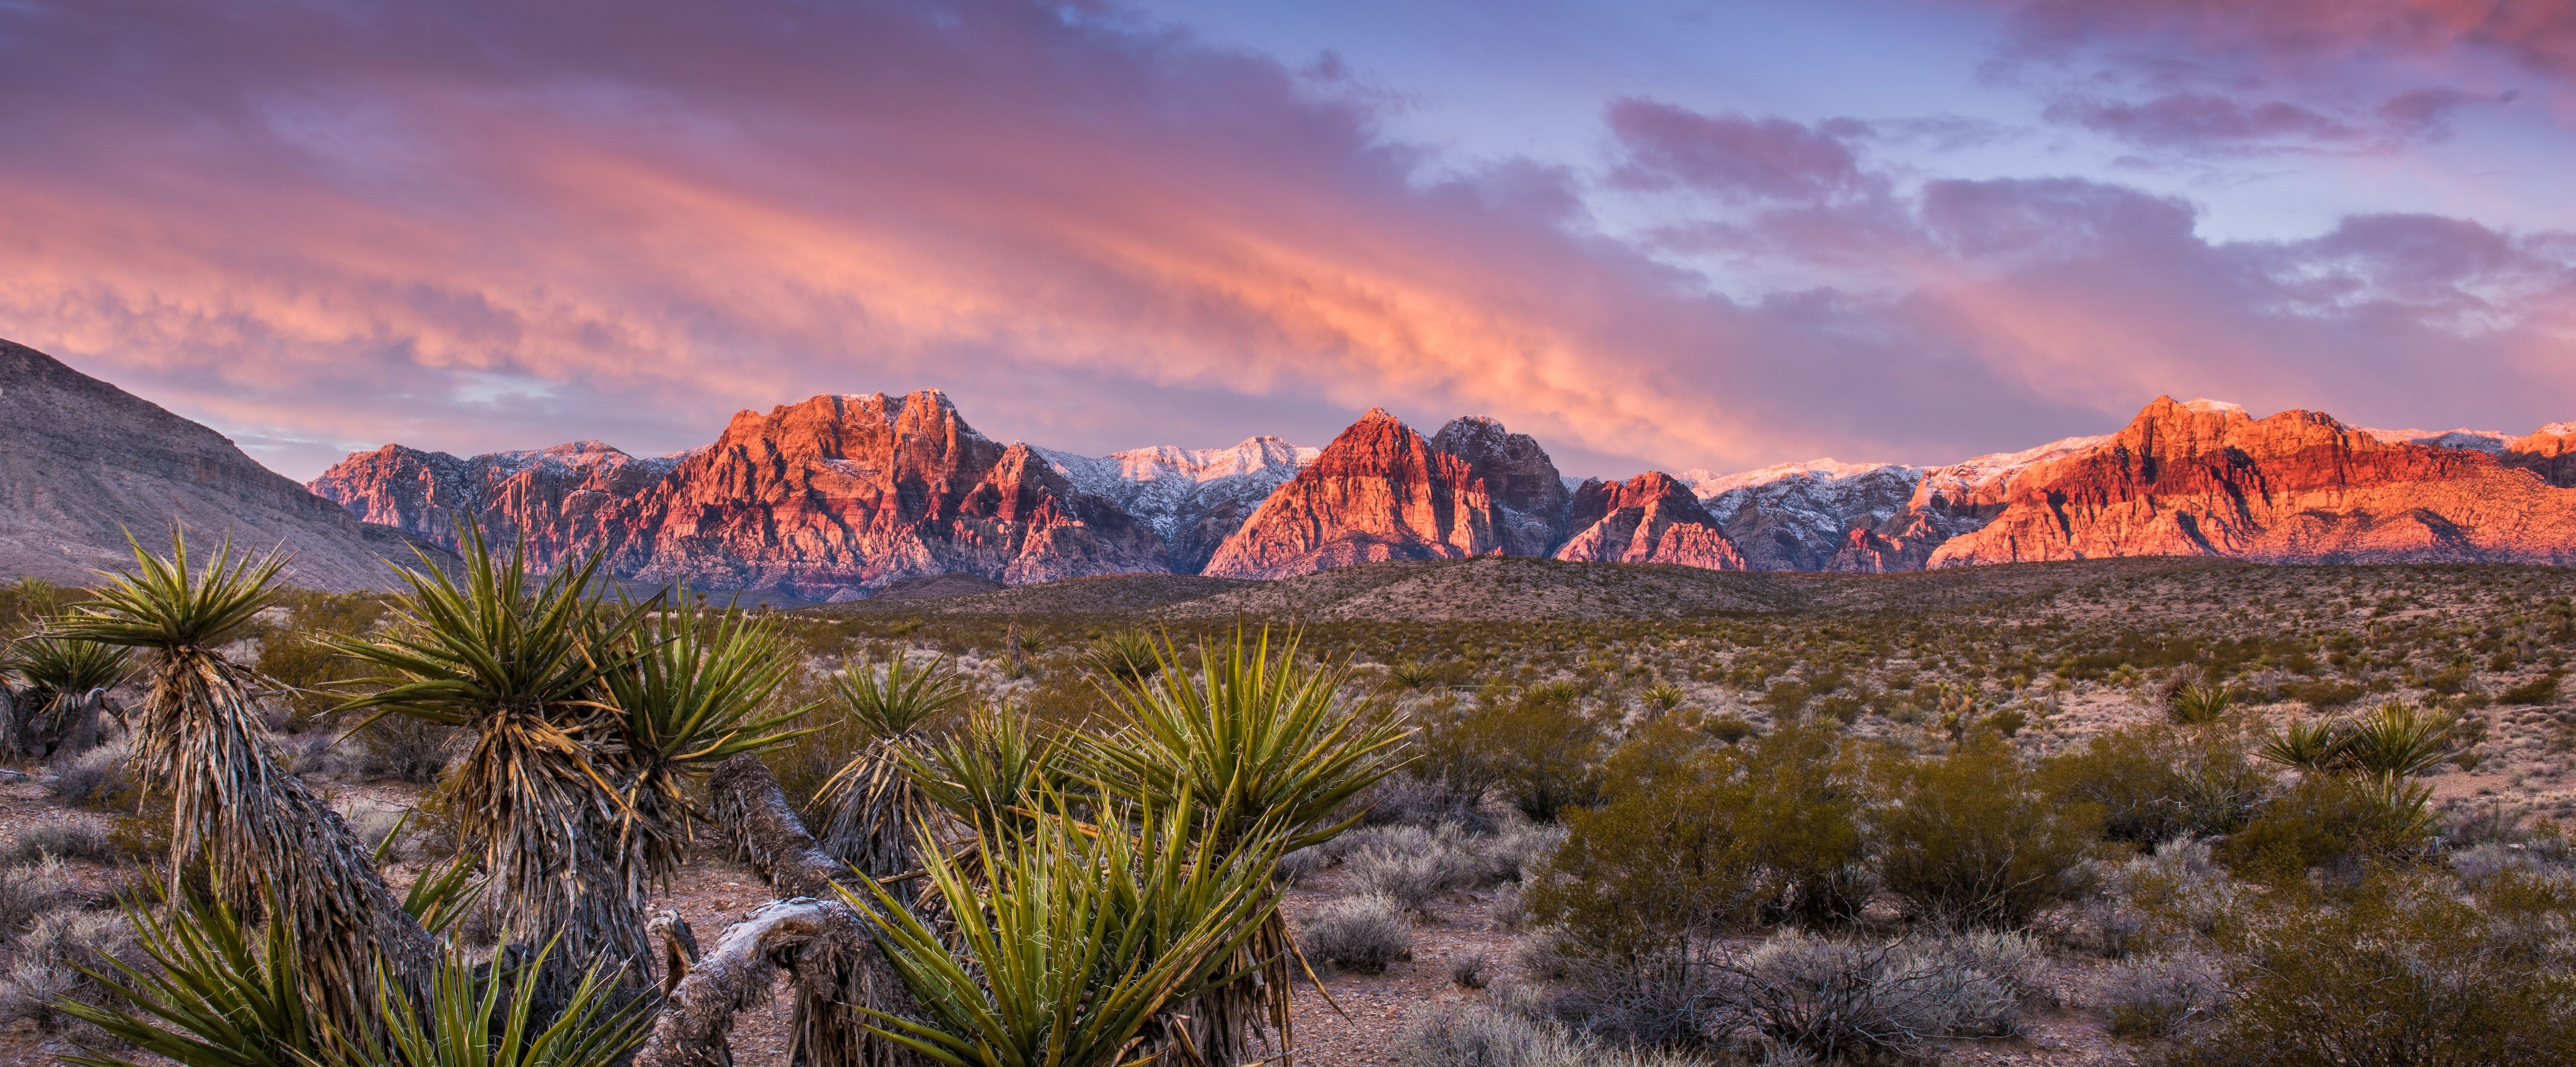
x=1985 y=479
x=1794 y=516
x=2489 y=441
x=2205 y=404
x=1161 y=484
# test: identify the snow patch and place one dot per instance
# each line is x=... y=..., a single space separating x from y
x=2475 y=440
x=2203 y=404
x=1166 y=487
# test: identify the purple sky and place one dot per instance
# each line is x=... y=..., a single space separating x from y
x=1662 y=235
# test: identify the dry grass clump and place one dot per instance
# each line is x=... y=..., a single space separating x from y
x=2159 y=996
x=62 y=836
x=46 y=968
x=1360 y=933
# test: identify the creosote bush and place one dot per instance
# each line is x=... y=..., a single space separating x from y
x=1971 y=839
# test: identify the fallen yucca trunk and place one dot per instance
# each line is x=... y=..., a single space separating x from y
x=840 y=977
x=257 y=826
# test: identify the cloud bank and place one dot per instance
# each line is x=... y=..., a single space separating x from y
x=481 y=225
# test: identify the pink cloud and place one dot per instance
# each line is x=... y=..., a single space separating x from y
x=487 y=225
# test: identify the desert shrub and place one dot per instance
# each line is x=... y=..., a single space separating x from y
x=1404 y=799
x=1458 y=746
x=1472 y=1034
x=1970 y=839
x=1361 y=933
x=2200 y=704
x=2331 y=822
x=1511 y=850
x=1410 y=867
x=2153 y=783
x=1728 y=729
x=1471 y=969
x=46 y=970
x=1300 y=865
x=1510 y=910
x=1660 y=860
x=2177 y=892
x=2014 y=959
x=2325 y=692
x=62 y=836
x=2158 y=996
x=2397 y=970
x=1838 y=1001
x=405 y=748
x=1547 y=750
x=97 y=778
x=311 y=671
x=1801 y=817
x=2541 y=690
x=27 y=891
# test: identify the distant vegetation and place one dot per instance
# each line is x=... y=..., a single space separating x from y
x=2290 y=816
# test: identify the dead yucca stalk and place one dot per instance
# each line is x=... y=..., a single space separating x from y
x=1255 y=740
x=199 y=734
x=872 y=802
x=518 y=661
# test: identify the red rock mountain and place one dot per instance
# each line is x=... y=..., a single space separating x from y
x=823 y=499
x=2550 y=453
x=2206 y=479
x=1519 y=477
x=1378 y=492
x=840 y=496
x=83 y=462
x=1651 y=518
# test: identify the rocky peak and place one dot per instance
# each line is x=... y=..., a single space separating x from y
x=1378 y=492
x=2297 y=486
x=1651 y=518
x=2549 y=452
x=1518 y=475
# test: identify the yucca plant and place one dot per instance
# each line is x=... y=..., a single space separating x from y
x=1664 y=697
x=519 y=662
x=694 y=692
x=200 y=735
x=2201 y=704
x=1125 y=657
x=66 y=694
x=2397 y=741
x=1256 y=740
x=476 y=1018
x=213 y=992
x=2307 y=747
x=994 y=775
x=872 y=801
x=1071 y=941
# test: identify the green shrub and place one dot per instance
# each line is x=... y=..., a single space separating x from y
x=1660 y=860
x=2153 y=783
x=2541 y=690
x=1970 y=838
x=2331 y=822
x=2396 y=971
x=1546 y=749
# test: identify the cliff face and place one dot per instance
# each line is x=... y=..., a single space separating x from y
x=1528 y=493
x=83 y=462
x=2206 y=479
x=1651 y=518
x=823 y=499
x=1378 y=492
x=2549 y=453
x=1192 y=498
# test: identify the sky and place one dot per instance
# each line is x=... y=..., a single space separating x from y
x=1653 y=234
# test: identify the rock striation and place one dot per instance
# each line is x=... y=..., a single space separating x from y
x=2203 y=478
x=1378 y=492
x=83 y=462
x=1651 y=518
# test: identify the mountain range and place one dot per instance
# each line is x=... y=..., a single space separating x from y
x=841 y=497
